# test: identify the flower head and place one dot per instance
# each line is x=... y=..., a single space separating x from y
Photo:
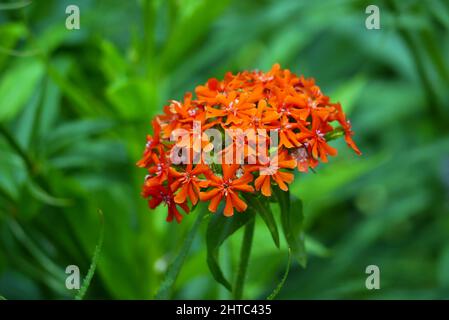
x=242 y=134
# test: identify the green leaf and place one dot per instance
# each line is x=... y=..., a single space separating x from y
x=348 y=93
x=196 y=17
x=261 y=206
x=10 y=34
x=53 y=272
x=218 y=230
x=113 y=65
x=292 y=219
x=316 y=248
x=276 y=291
x=69 y=133
x=17 y=86
x=93 y=265
x=173 y=270
x=133 y=98
x=43 y=196
x=15 y=5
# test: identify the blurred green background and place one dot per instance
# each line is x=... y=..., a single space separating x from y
x=75 y=107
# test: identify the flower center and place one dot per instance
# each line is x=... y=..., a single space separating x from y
x=230 y=108
x=166 y=198
x=300 y=154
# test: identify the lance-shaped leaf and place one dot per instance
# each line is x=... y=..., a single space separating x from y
x=261 y=206
x=292 y=220
x=218 y=230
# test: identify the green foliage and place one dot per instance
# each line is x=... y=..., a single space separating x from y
x=261 y=206
x=175 y=268
x=292 y=224
x=276 y=291
x=245 y=254
x=218 y=230
x=87 y=280
x=75 y=107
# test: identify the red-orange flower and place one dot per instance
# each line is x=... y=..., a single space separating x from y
x=159 y=194
x=152 y=144
x=228 y=187
x=188 y=168
x=271 y=172
x=315 y=138
x=188 y=183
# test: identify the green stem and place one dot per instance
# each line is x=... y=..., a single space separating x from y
x=244 y=259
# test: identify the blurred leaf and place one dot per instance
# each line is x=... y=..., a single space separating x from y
x=334 y=176
x=17 y=85
x=197 y=17
x=53 y=274
x=348 y=93
x=10 y=34
x=440 y=12
x=15 y=5
x=83 y=101
x=43 y=196
x=12 y=174
x=132 y=98
x=67 y=134
x=81 y=155
x=443 y=267
x=316 y=248
x=113 y=64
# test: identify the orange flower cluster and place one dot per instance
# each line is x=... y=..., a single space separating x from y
x=276 y=100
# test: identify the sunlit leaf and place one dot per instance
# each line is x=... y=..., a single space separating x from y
x=17 y=85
